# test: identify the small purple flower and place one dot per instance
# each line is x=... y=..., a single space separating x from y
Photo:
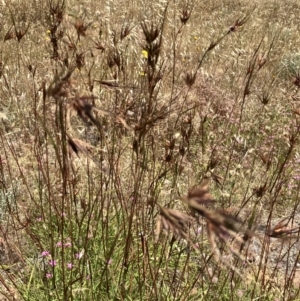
x=53 y=263
x=109 y=261
x=70 y=265
x=68 y=244
x=45 y=253
x=39 y=219
x=48 y=275
x=59 y=244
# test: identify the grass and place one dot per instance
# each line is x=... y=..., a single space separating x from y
x=149 y=150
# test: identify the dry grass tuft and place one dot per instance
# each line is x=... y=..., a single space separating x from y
x=111 y=111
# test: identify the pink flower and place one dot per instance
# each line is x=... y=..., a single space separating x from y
x=109 y=261
x=48 y=275
x=70 y=265
x=68 y=244
x=59 y=244
x=45 y=253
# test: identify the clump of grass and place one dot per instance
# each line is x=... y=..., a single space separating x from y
x=290 y=66
x=116 y=121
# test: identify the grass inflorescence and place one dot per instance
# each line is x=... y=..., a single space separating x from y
x=149 y=150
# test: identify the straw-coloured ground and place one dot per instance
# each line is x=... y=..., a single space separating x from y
x=149 y=150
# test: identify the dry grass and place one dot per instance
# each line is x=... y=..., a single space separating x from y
x=120 y=120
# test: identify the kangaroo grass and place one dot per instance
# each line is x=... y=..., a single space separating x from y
x=121 y=121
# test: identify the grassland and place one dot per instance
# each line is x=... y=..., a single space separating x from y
x=149 y=150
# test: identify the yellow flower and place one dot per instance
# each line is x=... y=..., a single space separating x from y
x=145 y=54
x=47 y=38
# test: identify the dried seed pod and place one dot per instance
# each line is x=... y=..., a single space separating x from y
x=21 y=33
x=185 y=15
x=296 y=80
x=190 y=78
x=174 y=221
x=81 y=28
x=99 y=46
x=150 y=33
x=200 y=195
x=283 y=229
x=238 y=23
x=9 y=35
x=84 y=109
x=125 y=31
x=80 y=60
